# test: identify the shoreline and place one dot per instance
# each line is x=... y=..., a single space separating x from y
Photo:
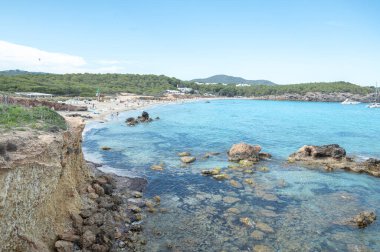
x=100 y=111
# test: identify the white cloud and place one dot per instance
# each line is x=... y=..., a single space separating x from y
x=14 y=56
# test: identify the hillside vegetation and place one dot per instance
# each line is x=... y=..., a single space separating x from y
x=37 y=117
x=87 y=85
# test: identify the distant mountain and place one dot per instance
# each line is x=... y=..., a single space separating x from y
x=226 y=79
x=18 y=72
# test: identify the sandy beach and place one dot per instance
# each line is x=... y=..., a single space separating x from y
x=100 y=110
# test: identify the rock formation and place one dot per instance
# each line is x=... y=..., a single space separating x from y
x=333 y=157
x=40 y=177
x=50 y=200
x=364 y=219
x=243 y=151
x=131 y=121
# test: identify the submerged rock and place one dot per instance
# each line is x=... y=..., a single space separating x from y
x=184 y=154
x=230 y=200
x=257 y=235
x=105 y=148
x=264 y=227
x=221 y=176
x=262 y=248
x=212 y=172
x=247 y=221
x=235 y=183
x=157 y=167
x=364 y=219
x=188 y=159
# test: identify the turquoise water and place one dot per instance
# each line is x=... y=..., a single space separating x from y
x=292 y=207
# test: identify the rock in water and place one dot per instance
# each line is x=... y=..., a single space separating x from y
x=184 y=154
x=310 y=152
x=188 y=159
x=364 y=219
x=243 y=151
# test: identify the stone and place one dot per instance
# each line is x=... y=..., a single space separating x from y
x=64 y=246
x=98 y=189
x=134 y=209
x=264 y=155
x=261 y=248
x=99 y=248
x=67 y=236
x=246 y=163
x=93 y=196
x=264 y=227
x=233 y=210
x=77 y=220
x=247 y=221
x=230 y=200
x=108 y=189
x=157 y=199
x=184 y=154
x=243 y=151
x=309 y=152
x=214 y=171
x=137 y=194
x=249 y=181
x=188 y=159
x=221 y=176
x=157 y=168
x=90 y=189
x=363 y=219
x=105 y=148
x=235 y=183
x=257 y=235
x=88 y=238
x=264 y=169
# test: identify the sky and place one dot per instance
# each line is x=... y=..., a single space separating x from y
x=284 y=41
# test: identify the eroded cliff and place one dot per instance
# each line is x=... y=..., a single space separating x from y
x=40 y=178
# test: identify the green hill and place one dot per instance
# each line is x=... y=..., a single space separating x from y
x=226 y=79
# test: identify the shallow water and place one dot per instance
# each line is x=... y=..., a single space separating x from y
x=290 y=208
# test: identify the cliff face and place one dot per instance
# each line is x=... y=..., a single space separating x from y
x=40 y=178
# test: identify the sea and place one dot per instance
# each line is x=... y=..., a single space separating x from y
x=284 y=207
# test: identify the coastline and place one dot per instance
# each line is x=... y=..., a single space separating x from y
x=100 y=111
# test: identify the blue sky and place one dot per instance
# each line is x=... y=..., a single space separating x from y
x=282 y=41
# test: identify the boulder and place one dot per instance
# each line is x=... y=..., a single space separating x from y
x=188 y=159
x=131 y=121
x=310 y=152
x=88 y=238
x=364 y=219
x=184 y=154
x=243 y=151
x=64 y=246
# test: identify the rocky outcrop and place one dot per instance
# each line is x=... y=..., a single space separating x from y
x=318 y=97
x=243 y=151
x=331 y=157
x=313 y=152
x=40 y=177
x=131 y=121
x=110 y=217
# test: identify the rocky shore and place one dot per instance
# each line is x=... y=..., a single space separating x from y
x=110 y=218
x=318 y=97
x=332 y=157
x=52 y=200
